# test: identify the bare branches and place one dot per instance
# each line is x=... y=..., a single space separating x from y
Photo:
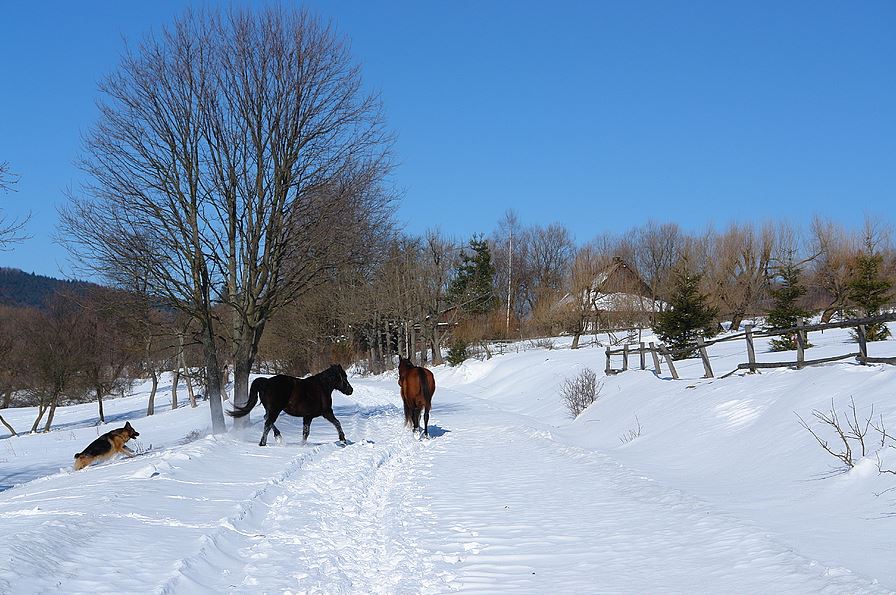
x=842 y=452
x=852 y=434
x=580 y=391
x=10 y=230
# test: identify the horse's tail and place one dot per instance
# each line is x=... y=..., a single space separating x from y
x=256 y=387
x=427 y=385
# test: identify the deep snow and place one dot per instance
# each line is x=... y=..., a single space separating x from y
x=723 y=491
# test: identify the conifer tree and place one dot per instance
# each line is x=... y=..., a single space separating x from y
x=869 y=291
x=786 y=311
x=689 y=316
x=473 y=286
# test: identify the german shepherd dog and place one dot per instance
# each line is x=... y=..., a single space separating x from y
x=107 y=446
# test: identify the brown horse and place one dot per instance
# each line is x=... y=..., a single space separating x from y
x=300 y=397
x=417 y=386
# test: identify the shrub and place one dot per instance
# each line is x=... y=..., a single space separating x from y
x=458 y=352
x=580 y=391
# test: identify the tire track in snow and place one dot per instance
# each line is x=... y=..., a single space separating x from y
x=343 y=521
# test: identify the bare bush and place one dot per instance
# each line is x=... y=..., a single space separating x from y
x=543 y=343
x=581 y=391
x=852 y=442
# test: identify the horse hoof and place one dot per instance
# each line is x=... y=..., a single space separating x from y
x=279 y=439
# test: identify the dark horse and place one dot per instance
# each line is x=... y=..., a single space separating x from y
x=300 y=397
x=417 y=386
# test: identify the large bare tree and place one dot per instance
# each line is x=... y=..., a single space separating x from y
x=236 y=158
x=738 y=269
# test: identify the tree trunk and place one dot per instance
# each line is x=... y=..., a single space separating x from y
x=735 y=322
x=151 y=406
x=52 y=413
x=99 y=401
x=8 y=427
x=7 y=399
x=436 y=346
x=175 y=378
x=190 y=391
x=41 y=409
x=213 y=381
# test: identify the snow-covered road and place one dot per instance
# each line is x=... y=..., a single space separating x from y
x=500 y=499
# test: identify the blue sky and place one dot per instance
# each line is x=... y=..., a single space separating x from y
x=597 y=115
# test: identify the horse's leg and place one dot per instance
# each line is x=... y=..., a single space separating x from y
x=269 y=419
x=416 y=419
x=277 y=436
x=306 y=427
x=426 y=422
x=331 y=417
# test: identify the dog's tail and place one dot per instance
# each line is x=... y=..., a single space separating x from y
x=257 y=386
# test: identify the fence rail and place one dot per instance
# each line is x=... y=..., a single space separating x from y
x=799 y=332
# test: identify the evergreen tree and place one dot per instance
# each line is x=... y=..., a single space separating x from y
x=786 y=312
x=473 y=285
x=689 y=315
x=869 y=291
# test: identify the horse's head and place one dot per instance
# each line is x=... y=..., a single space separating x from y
x=404 y=365
x=341 y=380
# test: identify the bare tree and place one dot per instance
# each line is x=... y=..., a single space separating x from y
x=236 y=158
x=55 y=357
x=10 y=230
x=831 y=268
x=438 y=259
x=656 y=248
x=551 y=252
x=738 y=271
x=106 y=343
x=580 y=306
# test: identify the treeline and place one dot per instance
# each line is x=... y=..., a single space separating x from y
x=18 y=288
x=423 y=296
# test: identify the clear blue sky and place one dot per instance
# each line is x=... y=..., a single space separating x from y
x=597 y=115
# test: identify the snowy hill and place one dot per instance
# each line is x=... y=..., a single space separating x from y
x=722 y=491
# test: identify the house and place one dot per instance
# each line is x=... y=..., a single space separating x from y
x=617 y=298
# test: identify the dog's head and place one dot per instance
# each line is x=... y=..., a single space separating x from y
x=132 y=433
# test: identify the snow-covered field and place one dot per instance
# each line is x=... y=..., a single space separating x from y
x=722 y=491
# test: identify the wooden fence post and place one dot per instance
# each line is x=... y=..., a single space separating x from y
x=707 y=369
x=751 y=353
x=643 y=362
x=656 y=360
x=625 y=357
x=800 y=348
x=608 y=369
x=863 y=345
x=668 y=357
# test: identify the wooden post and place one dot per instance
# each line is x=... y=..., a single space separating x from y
x=863 y=345
x=751 y=353
x=656 y=360
x=800 y=349
x=707 y=369
x=643 y=366
x=625 y=357
x=608 y=369
x=668 y=357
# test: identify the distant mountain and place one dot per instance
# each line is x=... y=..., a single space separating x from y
x=18 y=288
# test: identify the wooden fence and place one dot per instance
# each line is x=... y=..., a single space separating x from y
x=800 y=333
